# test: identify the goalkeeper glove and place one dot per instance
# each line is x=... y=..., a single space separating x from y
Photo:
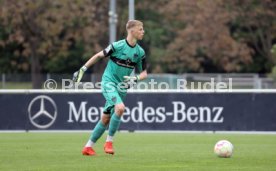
x=77 y=76
x=131 y=79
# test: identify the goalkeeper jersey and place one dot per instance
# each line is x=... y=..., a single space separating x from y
x=123 y=59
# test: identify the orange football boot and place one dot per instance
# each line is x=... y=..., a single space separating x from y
x=88 y=151
x=108 y=147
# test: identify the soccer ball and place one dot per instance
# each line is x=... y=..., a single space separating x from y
x=224 y=148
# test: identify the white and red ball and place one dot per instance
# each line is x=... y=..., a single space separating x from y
x=224 y=148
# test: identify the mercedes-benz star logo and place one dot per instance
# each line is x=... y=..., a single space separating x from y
x=42 y=111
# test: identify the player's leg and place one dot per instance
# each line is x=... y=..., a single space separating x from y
x=114 y=124
x=98 y=131
x=113 y=127
x=115 y=120
x=116 y=115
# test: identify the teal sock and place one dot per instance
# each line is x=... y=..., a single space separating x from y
x=97 y=131
x=114 y=124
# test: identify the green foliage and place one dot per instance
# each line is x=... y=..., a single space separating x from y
x=255 y=24
x=157 y=36
x=66 y=63
x=62 y=35
x=11 y=62
x=273 y=71
x=48 y=33
x=273 y=50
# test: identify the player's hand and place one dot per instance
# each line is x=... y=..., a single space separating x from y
x=131 y=79
x=77 y=76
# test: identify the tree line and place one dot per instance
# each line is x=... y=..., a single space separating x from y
x=45 y=36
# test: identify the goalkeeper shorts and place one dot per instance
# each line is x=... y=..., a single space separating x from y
x=113 y=96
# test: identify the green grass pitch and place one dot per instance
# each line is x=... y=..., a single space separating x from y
x=135 y=151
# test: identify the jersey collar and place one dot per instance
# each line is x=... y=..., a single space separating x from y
x=129 y=44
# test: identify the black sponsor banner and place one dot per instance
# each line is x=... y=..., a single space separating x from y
x=144 y=111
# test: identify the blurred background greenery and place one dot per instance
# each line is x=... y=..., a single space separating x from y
x=182 y=36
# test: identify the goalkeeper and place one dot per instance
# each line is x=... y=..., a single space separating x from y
x=124 y=56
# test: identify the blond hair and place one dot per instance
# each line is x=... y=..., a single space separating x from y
x=133 y=23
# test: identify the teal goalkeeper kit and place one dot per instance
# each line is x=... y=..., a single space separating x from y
x=123 y=59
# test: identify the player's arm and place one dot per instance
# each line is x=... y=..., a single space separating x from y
x=94 y=59
x=143 y=67
x=77 y=76
x=143 y=75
